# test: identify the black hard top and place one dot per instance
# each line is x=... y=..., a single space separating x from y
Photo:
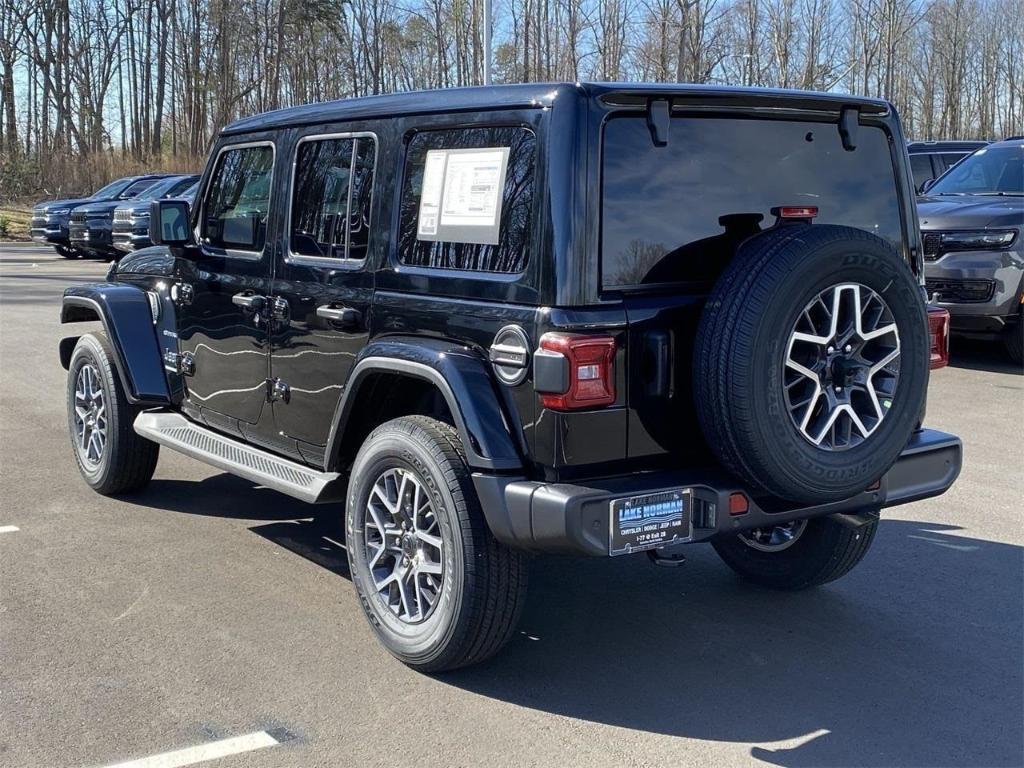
x=525 y=95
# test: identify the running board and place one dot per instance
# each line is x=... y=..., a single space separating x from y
x=179 y=434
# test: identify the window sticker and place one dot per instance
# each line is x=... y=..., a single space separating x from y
x=462 y=195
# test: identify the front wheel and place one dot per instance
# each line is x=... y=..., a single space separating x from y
x=67 y=253
x=797 y=555
x=438 y=589
x=110 y=455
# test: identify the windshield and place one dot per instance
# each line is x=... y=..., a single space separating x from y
x=112 y=190
x=989 y=171
x=169 y=187
x=138 y=188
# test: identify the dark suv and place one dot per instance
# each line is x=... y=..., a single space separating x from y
x=588 y=319
x=971 y=223
x=51 y=219
x=130 y=225
x=90 y=224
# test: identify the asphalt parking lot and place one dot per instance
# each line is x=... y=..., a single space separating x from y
x=205 y=608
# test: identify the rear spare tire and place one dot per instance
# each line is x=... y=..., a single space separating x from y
x=811 y=362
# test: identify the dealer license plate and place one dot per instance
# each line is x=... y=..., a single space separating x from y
x=650 y=521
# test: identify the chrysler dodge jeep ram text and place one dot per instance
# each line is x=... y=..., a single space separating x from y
x=481 y=323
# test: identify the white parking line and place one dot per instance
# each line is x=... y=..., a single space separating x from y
x=9 y=528
x=203 y=752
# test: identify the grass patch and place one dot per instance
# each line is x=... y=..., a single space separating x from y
x=14 y=222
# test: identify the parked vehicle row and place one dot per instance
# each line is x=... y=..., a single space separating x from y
x=86 y=226
x=971 y=222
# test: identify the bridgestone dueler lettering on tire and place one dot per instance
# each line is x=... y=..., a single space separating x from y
x=795 y=402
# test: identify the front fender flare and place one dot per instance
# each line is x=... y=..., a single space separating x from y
x=128 y=321
x=463 y=380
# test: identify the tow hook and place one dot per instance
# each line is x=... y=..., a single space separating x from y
x=856 y=519
x=666 y=558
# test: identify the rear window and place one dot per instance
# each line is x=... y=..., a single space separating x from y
x=675 y=214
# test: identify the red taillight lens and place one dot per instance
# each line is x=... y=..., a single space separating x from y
x=591 y=361
x=938 y=325
x=804 y=212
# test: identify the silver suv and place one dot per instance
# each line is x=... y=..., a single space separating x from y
x=971 y=222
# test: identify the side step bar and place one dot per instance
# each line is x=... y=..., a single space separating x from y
x=179 y=434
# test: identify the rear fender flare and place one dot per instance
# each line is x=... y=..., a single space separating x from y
x=128 y=322
x=462 y=378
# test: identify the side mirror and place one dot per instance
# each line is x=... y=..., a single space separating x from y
x=925 y=186
x=168 y=222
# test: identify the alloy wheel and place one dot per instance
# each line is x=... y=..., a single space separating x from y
x=774 y=538
x=842 y=366
x=90 y=416
x=404 y=549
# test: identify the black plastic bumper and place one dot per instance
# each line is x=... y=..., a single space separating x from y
x=558 y=517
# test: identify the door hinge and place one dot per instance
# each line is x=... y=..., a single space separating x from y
x=277 y=390
x=183 y=364
x=182 y=294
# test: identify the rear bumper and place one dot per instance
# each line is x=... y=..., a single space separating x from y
x=558 y=517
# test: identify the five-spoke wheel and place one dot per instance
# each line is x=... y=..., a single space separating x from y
x=842 y=366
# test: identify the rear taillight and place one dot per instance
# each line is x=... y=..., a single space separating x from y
x=938 y=326
x=590 y=375
x=795 y=212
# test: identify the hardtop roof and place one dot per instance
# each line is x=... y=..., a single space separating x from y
x=527 y=95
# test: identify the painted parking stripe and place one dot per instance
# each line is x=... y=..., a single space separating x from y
x=204 y=752
x=9 y=528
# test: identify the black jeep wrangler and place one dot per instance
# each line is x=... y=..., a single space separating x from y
x=589 y=319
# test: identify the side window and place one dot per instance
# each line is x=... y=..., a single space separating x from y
x=950 y=159
x=921 y=167
x=474 y=218
x=330 y=214
x=238 y=200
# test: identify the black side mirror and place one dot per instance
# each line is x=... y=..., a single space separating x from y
x=925 y=186
x=168 y=222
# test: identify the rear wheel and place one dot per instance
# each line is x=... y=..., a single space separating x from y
x=111 y=457
x=439 y=591
x=799 y=554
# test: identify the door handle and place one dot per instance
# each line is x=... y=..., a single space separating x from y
x=344 y=317
x=248 y=301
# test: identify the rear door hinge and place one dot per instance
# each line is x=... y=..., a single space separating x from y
x=182 y=294
x=278 y=391
x=182 y=364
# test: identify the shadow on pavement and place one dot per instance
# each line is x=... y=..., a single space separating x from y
x=981 y=355
x=914 y=658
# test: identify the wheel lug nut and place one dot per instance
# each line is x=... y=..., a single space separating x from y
x=848 y=348
x=830 y=350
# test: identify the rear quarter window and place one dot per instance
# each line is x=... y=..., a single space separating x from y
x=511 y=253
x=675 y=214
